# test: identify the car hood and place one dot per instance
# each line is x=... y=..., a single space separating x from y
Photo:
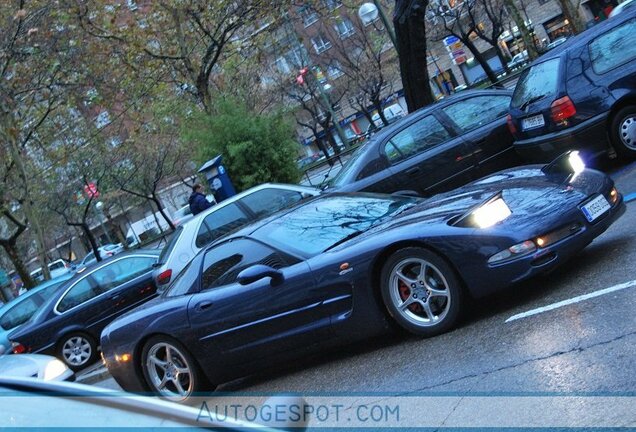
x=528 y=192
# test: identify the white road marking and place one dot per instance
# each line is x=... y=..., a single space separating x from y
x=573 y=300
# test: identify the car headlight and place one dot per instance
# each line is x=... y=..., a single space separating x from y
x=54 y=369
x=513 y=252
x=576 y=162
x=491 y=212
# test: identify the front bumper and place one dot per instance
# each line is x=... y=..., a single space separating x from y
x=544 y=260
x=590 y=137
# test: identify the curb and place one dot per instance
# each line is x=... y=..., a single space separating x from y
x=93 y=376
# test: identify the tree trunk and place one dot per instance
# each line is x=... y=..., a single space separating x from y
x=480 y=59
x=521 y=25
x=410 y=31
x=159 y=205
x=91 y=239
x=14 y=255
x=571 y=13
x=10 y=135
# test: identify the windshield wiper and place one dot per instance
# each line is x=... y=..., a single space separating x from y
x=344 y=239
x=531 y=100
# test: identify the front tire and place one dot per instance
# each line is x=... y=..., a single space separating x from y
x=77 y=350
x=170 y=370
x=623 y=132
x=421 y=291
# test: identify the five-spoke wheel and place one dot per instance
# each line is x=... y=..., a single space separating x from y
x=170 y=370
x=420 y=291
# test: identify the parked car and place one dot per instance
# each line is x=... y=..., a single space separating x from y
x=223 y=218
x=56 y=268
x=392 y=113
x=19 y=310
x=69 y=323
x=448 y=144
x=38 y=366
x=106 y=251
x=627 y=4
x=555 y=43
x=581 y=95
x=518 y=60
x=343 y=267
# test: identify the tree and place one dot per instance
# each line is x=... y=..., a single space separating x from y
x=456 y=21
x=571 y=13
x=488 y=19
x=255 y=148
x=409 y=20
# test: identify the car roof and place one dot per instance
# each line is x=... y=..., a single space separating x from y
x=586 y=36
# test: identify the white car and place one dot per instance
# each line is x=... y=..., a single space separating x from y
x=223 y=218
x=56 y=268
x=38 y=366
x=106 y=251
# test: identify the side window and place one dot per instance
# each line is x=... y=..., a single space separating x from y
x=614 y=47
x=219 y=223
x=374 y=166
x=88 y=257
x=121 y=271
x=472 y=113
x=418 y=137
x=223 y=263
x=267 y=201
x=20 y=313
x=81 y=292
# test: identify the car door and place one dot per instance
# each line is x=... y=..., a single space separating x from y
x=246 y=322
x=105 y=293
x=482 y=122
x=427 y=158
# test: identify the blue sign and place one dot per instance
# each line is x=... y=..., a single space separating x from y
x=450 y=40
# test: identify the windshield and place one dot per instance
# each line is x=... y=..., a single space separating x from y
x=323 y=223
x=349 y=170
x=538 y=81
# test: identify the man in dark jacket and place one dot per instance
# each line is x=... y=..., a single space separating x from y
x=197 y=200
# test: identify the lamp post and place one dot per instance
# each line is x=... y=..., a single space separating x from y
x=369 y=12
x=100 y=209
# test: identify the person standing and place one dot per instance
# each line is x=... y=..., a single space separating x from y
x=197 y=200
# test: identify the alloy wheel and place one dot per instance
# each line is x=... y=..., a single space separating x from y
x=77 y=350
x=627 y=132
x=419 y=291
x=169 y=371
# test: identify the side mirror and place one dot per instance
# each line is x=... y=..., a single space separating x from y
x=258 y=272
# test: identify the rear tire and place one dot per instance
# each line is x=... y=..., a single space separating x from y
x=623 y=132
x=421 y=291
x=77 y=350
x=170 y=370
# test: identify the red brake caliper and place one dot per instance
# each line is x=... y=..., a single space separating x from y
x=405 y=292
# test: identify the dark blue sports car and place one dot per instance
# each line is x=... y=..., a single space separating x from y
x=343 y=267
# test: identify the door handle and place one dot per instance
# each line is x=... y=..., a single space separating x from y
x=204 y=305
x=412 y=171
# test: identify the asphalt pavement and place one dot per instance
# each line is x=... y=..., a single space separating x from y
x=570 y=332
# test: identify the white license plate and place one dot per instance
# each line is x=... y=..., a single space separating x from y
x=595 y=208
x=532 y=122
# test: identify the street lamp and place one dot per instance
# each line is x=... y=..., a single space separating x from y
x=369 y=12
x=100 y=208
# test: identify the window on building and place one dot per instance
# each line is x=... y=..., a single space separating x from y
x=345 y=28
x=332 y=4
x=308 y=15
x=102 y=120
x=334 y=70
x=282 y=66
x=320 y=43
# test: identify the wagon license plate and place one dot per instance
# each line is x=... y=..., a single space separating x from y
x=595 y=208
x=532 y=122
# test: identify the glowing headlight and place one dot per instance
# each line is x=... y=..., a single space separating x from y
x=491 y=213
x=576 y=162
x=54 y=369
x=512 y=252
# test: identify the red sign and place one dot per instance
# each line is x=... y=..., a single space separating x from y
x=91 y=190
